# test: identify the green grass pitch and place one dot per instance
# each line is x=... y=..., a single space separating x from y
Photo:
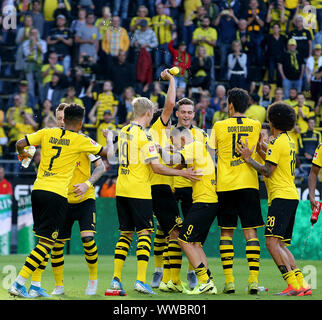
x=76 y=277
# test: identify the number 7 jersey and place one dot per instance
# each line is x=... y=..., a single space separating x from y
x=60 y=150
x=232 y=171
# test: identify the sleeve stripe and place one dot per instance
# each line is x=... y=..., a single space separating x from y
x=314 y=164
x=100 y=151
x=271 y=162
x=27 y=140
x=96 y=160
x=149 y=159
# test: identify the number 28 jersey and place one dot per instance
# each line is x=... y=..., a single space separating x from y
x=232 y=171
x=60 y=150
x=281 y=153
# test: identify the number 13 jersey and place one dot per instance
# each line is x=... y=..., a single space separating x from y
x=60 y=151
x=232 y=171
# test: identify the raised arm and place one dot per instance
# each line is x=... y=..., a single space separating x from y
x=170 y=101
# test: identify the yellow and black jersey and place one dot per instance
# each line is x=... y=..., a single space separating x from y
x=160 y=135
x=200 y=136
x=60 y=150
x=317 y=159
x=195 y=154
x=136 y=150
x=232 y=171
x=81 y=174
x=281 y=154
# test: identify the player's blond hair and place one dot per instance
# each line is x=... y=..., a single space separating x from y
x=141 y=105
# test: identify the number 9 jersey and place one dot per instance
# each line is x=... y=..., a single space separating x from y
x=233 y=173
x=60 y=150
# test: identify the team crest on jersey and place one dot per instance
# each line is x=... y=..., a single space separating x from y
x=151 y=149
x=54 y=235
x=269 y=152
x=178 y=220
x=315 y=156
x=94 y=143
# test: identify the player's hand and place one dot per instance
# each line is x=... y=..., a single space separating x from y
x=244 y=151
x=314 y=204
x=80 y=189
x=166 y=75
x=191 y=174
x=24 y=155
x=108 y=134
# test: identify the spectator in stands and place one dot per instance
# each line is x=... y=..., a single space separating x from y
x=105 y=123
x=310 y=139
x=190 y=9
x=292 y=97
x=303 y=111
x=242 y=35
x=156 y=94
x=51 y=9
x=226 y=24
x=29 y=125
x=105 y=101
x=265 y=100
x=276 y=44
x=53 y=90
x=255 y=110
x=28 y=99
x=122 y=74
x=114 y=40
x=5 y=185
x=207 y=36
x=204 y=114
x=314 y=73
x=33 y=50
x=237 y=67
x=200 y=69
x=15 y=112
x=50 y=68
x=291 y=67
x=226 y=4
x=88 y=37
x=37 y=17
x=81 y=21
x=222 y=113
x=318 y=113
x=86 y=4
x=302 y=37
x=71 y=97
x=60 y=41
x=308 y=14
x=125 y=110
x=104 y=21
x=44 y=112
x=162 y=25
x=278 y=95
x=317 y=38
x=220 y=96
x=255 y=25
x=277 y=14
x=142 y=14
x=182 y=60
x=21 y=36
x=144 y=37
x=3 y=136
x=212 y=9
x=120 y=8
x=200 y=14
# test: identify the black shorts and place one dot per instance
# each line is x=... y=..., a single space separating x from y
x=165 y=208
x=134 y=214
x=280 y=219
x=184 y=196
x=243 y=203
x=198 y=221
x=83 y=212
x=49 y=211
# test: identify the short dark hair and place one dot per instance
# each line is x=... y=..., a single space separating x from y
x=185 y=101
x=239 y=98
x=267 y=127
x=155 y=117
x=282 y=116
x=73 y=113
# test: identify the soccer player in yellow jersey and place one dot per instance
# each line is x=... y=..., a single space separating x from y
x=314 y=172
x=237 y=188
x=81 y=208
x=60 y=150
x=203 y=211
x=283 y=196
x=138 y=158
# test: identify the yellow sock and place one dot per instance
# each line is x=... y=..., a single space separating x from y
x=121 y=250
x=175 y=259
x=91 y=256
x=290 y=279
x=57 y=262
x=36 y=276
x=166 y=266
x=143 y=254
x=159 y=245
x=253 y=255
x=202 y=274
x=226 y=249
x=35 y=258
x=300 y=278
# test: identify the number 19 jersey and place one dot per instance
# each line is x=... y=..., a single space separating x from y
x=60 y=150
x=233 y=172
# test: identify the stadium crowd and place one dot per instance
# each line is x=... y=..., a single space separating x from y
x=102 y=54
